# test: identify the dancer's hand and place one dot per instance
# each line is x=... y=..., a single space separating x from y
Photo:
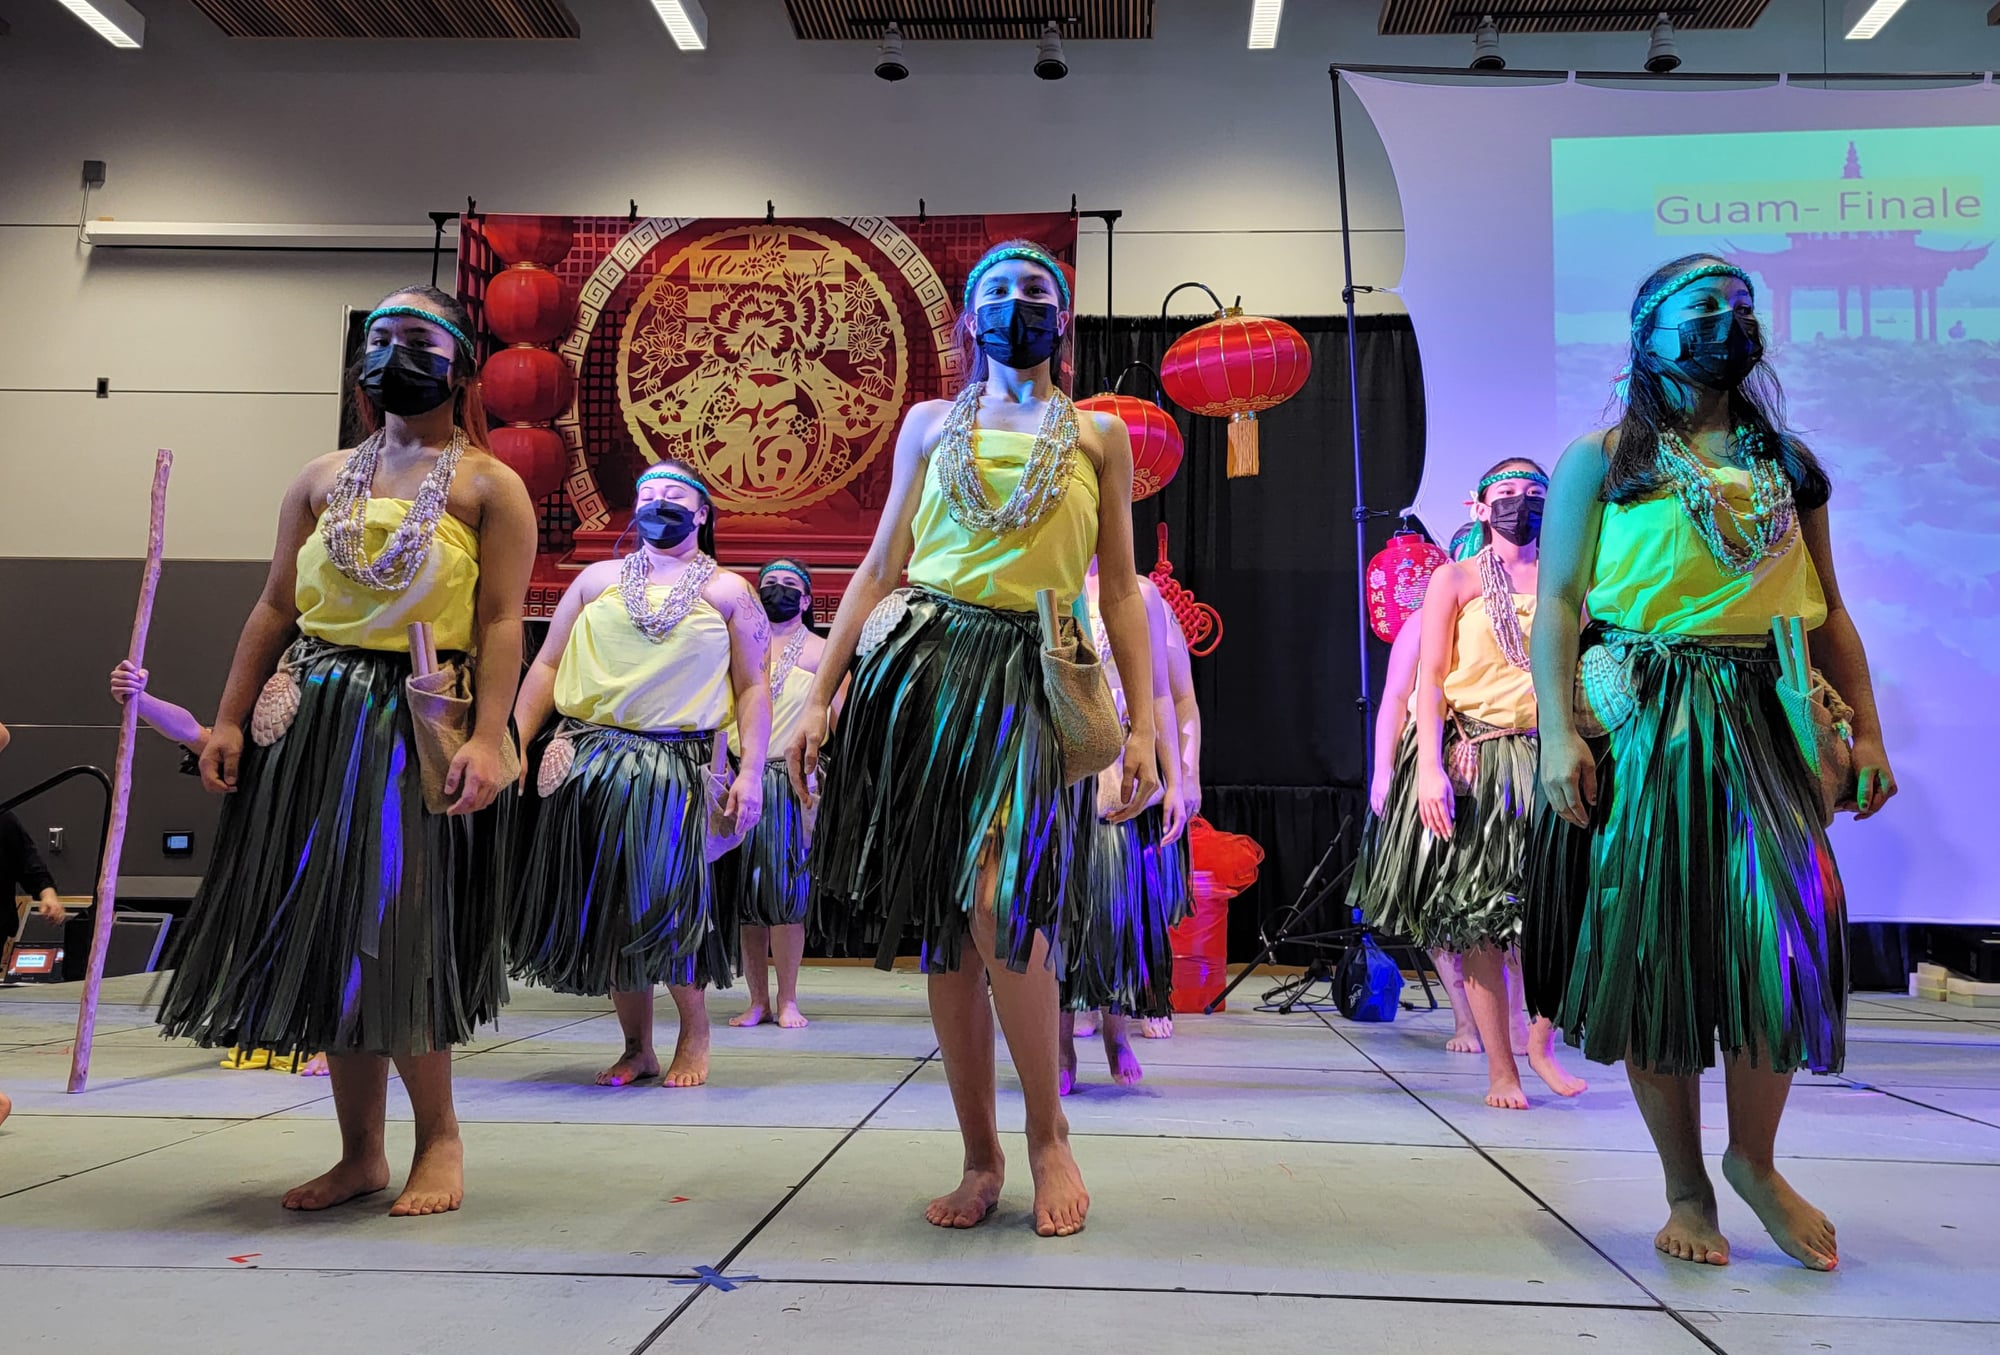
x=1173 y=819
x=51 y=910
x=127 y=681
x=745 y=802
x=219 y=757
x=1141 y=779
x=474 y=777
x=802 y=753
x=1378 y=789
x=1876 y=782
x=1437 y=802
x=1569 y=776
x=1191 y=797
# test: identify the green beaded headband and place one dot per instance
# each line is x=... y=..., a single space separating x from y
x=1029 y=252
x=679 y=476
x=785 y=562
x=420 y=313
x=1666 y=289
x=1516 y=474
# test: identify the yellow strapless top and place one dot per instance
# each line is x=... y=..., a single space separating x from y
x=336 y=609
x=1005 y=572
x=789 y=704
x=1483 y=682
x=612 y=674
x=1654 y=573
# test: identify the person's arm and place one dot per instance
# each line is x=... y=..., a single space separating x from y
x=1570 y=526
x=1187 y=714
x=507 y=532
x=32 y=874
x=266 y=632
x=176 y=722
x=1437 y=801
x=536 y=701
x=1398 y=682
x=1124 y=611
x=1837 y=649
x=750 y=677
x=879 y=574
x=1166 y=729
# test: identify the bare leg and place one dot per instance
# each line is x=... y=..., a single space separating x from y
x=1486 y=987
x=1125 y=1069
x=962 y=1017
x=756 y=976
x=1756 y=1103
x=1542 y=1058
x=1672 y=1108
x=1517 y=1004
x=437 y=1171
x=1464 y=1030
x=1086 y=1023
x=635 y=1020
x=6 y=1107
x=788 y=948
x=1066 y=1056
x=360 y=1100
x=690 y=1065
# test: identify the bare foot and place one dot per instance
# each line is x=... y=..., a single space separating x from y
x=437 y=1181
x=1804 y=1234
x=1556 y=1077
x=1066 y=1065
x=790 y=1018
x=347 y=1181
x=1125 y=1069
x=1465 y=1039
x=754 y=1015
x=1061 y=1202
x=635 y=1065
x=315 y=1067
x=1517 y=1030
x=1086 y=1023
x=978 y=1194
x=690 y=1065
x=1503 y=1092
x=1693 y=1233
x=1157 y=1028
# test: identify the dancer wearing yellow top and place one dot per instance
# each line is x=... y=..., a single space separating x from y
x=648 y=659
x=338 y=912
x=945 y=817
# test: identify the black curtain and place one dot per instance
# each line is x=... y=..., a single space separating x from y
x=1284 y=758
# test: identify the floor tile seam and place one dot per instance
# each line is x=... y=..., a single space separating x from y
x=1894 y=1094
x=117 y=1161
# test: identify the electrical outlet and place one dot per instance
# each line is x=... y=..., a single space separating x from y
x=56 y=840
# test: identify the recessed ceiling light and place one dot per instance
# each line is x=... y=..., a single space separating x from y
x=113 y=20
x=1868 y=17
x=686 y=21
x=1264 y=16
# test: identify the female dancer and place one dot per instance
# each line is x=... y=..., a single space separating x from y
x=1451 y=874
x=338 y=914
x=1683 y=892
x=770 y=870
x=1175 y=855
x=1126 y=888
x=945 y=811
x=647 y=659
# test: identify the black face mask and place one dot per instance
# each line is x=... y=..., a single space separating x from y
x=406 y=381
x=782 y=602
x=1718 y=351
x=662 y=523
x=1018 y=334
x=1519 y=518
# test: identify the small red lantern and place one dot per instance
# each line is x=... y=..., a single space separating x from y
x=537 y=455
x=1397 y=577
x=1235 y=367
x=1156 y=440
x=528 y=304
x=526 y=385
x=529 y=239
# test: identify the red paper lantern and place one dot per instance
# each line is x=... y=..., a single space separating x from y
x=529 y=239
x=529 y=304
x=1235 y=367
x=1397 y=577
x=1156 y=440
x=526 y=385
x=537 y=455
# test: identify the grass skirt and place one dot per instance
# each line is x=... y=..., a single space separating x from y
x=766 y=877
x=1704 y=905
x=1125 y=892
x=337 y=913
x=616 y=893
x=944 y=756
x=1466 y=892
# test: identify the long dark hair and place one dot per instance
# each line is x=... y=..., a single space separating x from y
x=973 y=362
x=468 y=410
x=1758 y=404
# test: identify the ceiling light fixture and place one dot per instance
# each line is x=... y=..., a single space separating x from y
x=1486 y=46
x=686 y=21
x=1264 y=16
x=1049 y=62
x=1866 y=18
x=1661 y=54
x=891 y=66
x=113 y=20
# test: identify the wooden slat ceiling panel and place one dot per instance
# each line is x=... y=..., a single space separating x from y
x=968 y=20
x=391 y=18
x=1428 y=17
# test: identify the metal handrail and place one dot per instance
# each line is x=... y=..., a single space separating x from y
x=104 y=827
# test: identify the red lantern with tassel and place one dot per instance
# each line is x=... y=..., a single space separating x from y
x=543 y=240
x=528 y=304
x=1235 y=367
x=526 y=385
x=1397 y=577
x=1157 y=448
x=537 y=455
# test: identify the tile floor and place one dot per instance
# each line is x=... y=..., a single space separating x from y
x=1278 y=1184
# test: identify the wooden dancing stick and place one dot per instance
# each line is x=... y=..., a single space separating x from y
x=121 y=783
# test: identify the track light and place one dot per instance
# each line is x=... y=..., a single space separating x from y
x=1661 y=54
x=686 y=21
x=1049 y=63
x=1486 y=46
x=113 y=20
x=891 y=66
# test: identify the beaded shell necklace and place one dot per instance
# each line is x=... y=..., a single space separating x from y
x=1738 y=541
x=635 y=574
x=1044 y=479
x=344 y=525
x=788 y=659
x=1497 y=587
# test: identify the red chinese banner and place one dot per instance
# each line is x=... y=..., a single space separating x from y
x=776 y=357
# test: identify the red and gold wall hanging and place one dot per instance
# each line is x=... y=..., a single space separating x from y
x=777 y=357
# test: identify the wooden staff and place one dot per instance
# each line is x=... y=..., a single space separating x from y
x=121 y=783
